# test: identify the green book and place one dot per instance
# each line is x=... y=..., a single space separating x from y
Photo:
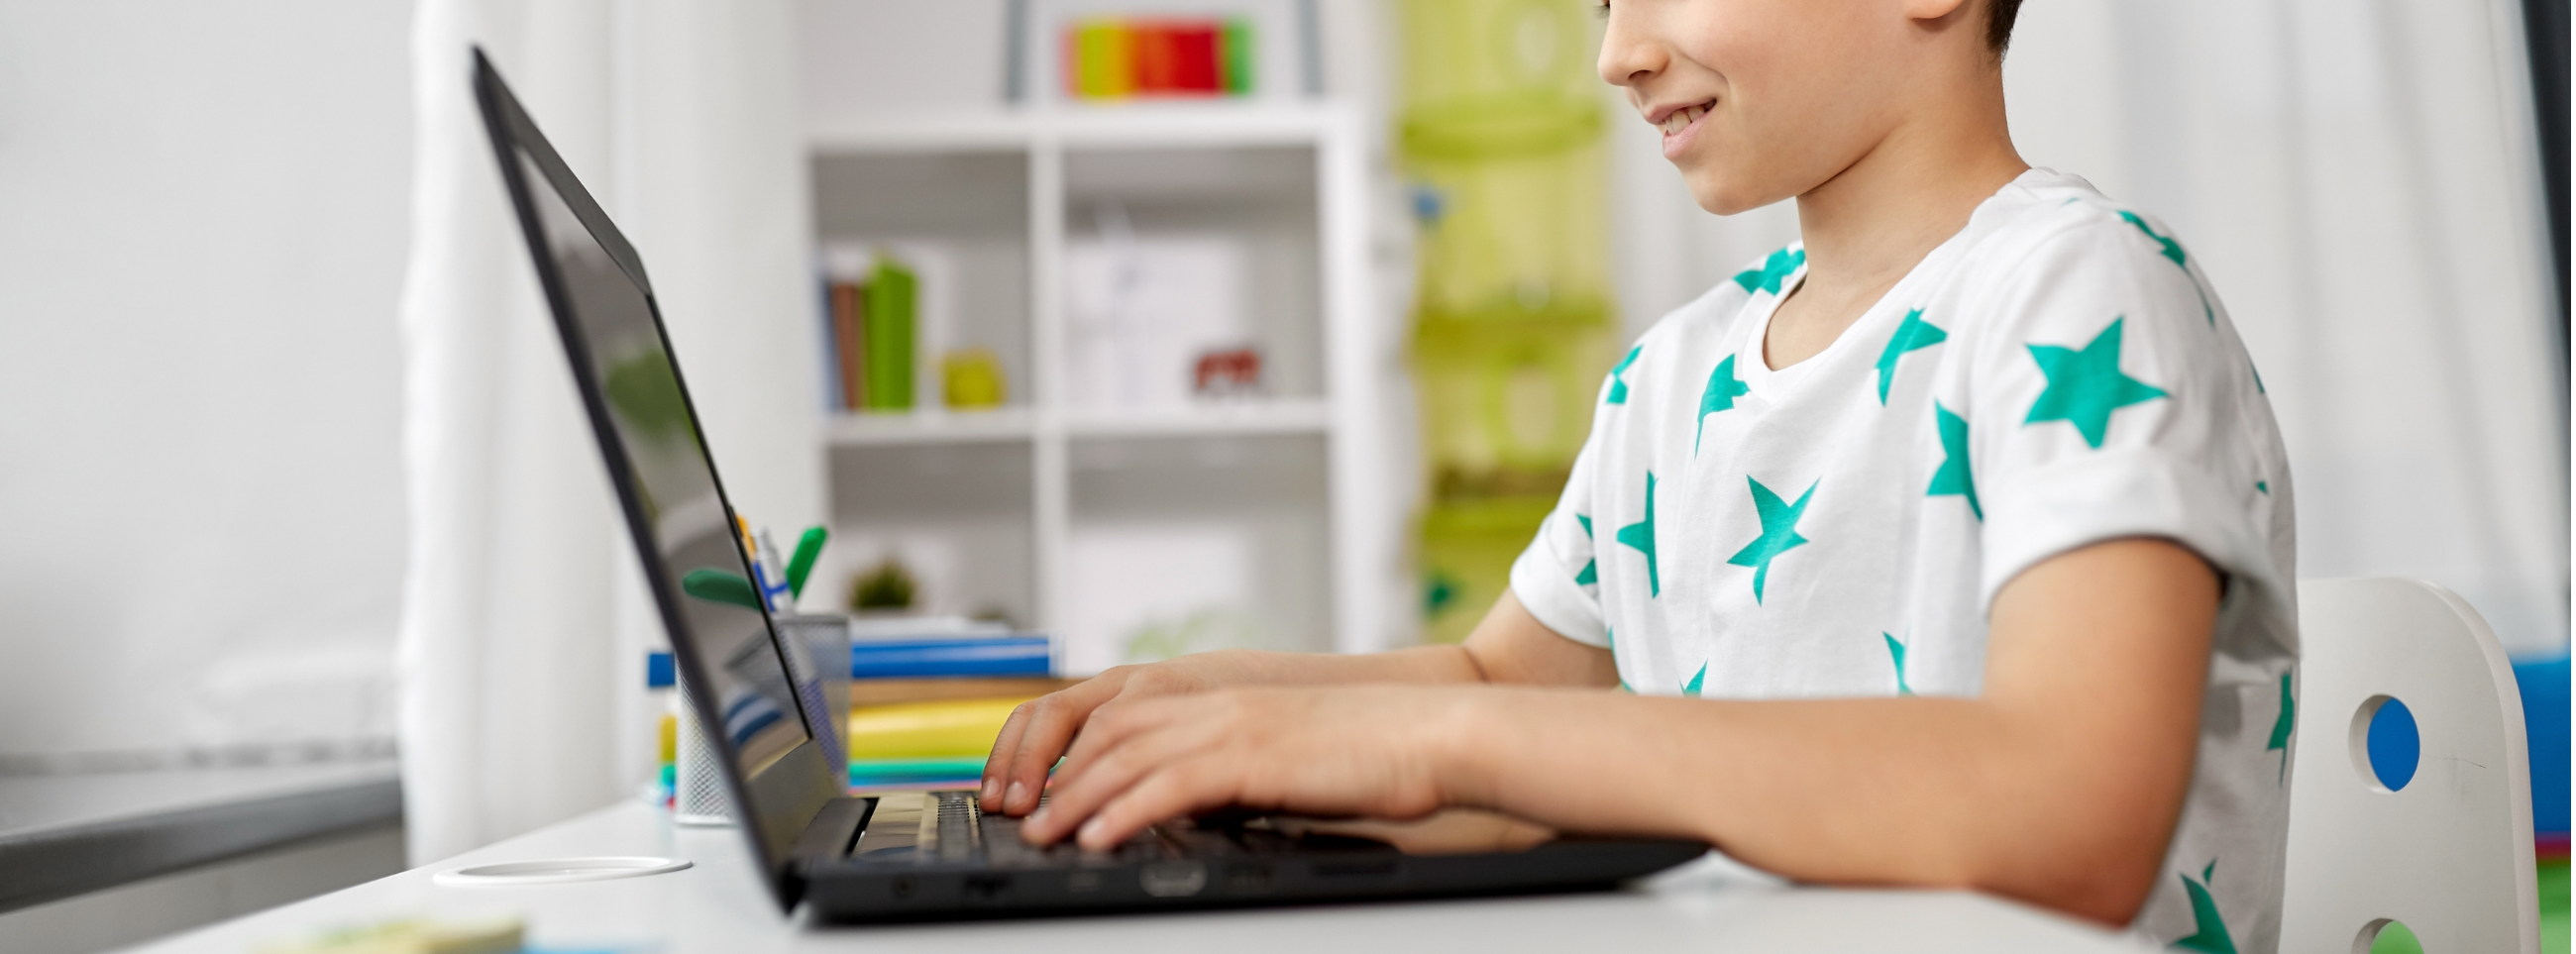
x=891 y=310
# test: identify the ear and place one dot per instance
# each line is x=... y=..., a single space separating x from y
x=1932 y=9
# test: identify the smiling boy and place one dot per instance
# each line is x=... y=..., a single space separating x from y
x=1950 y=547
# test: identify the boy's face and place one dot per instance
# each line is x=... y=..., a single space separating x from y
x=1760 y=100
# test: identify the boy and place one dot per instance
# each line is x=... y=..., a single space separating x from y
x=1965 y=521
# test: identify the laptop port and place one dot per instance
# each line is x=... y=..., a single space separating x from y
x=1247 y=879
x=1173 y=879
x=902 y=888
x=989 y=887
x=1355 y=868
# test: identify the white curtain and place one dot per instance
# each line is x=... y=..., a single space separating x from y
x=2360 y=181
x=524 y=623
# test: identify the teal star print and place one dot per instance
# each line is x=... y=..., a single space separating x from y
x=2209 y=931
x=1691 y=688
x=1641 y=535
x=2084 y=387
x=1619 y=385
x=1779 y=532
x=2282 y=725
x=1914 y=334
x=1954 y=476
x=1591 y=568
x=1774 y=270
x=1720 y=395
x=1896 y=651
x=2173 y=250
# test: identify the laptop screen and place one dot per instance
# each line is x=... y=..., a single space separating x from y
x=667 y=461
x=731 y=662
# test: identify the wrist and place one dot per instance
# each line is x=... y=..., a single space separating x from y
x=1459 y=737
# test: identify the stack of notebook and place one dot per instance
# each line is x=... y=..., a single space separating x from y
x=927 y=696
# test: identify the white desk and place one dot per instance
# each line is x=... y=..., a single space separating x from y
x=718 y=906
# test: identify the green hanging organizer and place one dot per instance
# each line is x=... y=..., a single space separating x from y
x=1513 y=324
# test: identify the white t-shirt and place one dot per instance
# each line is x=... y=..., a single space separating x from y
x=2057 y=374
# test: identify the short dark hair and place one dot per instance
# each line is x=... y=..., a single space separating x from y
x=1999 y=23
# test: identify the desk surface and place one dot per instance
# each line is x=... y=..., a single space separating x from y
x=719 y=906
x=63 y=835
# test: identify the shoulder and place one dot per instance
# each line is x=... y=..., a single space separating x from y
x=2048 y=225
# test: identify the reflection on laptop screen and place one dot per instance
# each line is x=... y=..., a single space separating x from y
x=667 y=464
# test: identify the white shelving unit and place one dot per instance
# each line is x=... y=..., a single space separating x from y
x=1011 y=490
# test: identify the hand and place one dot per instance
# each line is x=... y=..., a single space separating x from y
x=1039 y=730
x=1373 y=751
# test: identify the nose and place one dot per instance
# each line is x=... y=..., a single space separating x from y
x=1629 y=56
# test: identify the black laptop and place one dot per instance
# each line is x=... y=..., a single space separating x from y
x=923 y=854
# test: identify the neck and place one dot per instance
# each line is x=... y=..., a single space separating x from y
x=1875 y=220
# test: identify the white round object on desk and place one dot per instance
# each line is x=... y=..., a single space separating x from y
x=556 y=871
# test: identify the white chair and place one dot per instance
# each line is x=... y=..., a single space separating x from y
x=2449 y=853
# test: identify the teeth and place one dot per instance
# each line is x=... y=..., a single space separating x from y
x=1682 y=118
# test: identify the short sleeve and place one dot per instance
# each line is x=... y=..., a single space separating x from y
x=2108 y=400
x=1556 y=578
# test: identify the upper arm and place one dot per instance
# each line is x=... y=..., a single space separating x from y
x=2096 y=662
x=1512 y=646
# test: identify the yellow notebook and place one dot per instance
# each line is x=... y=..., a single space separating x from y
x=913 y=730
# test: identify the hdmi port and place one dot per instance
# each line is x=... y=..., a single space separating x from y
x=1173 y=879
x=1354 y=869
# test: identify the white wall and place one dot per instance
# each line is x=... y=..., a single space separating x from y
x=200 y=254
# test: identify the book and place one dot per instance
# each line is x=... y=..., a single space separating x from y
x=923 y=730
x=1018 y=654
x=888 y=691
x=849 y=341
x=891 y=314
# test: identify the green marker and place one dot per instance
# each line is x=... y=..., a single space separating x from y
x=801 y=564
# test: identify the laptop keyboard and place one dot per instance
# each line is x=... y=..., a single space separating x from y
x=950 y=828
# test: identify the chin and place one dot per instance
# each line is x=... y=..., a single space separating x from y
x=1722 y=194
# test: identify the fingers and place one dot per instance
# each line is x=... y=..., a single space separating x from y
x=1031 y=739
x=1179 y=789
x=1112 y=755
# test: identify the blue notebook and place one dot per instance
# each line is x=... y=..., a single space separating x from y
x=1013 y=655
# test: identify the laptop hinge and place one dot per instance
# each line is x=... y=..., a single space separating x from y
x=834 y=829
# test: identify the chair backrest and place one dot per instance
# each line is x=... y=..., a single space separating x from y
x=2449 y=853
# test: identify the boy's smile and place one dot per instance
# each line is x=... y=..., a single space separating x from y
x=1680 y=123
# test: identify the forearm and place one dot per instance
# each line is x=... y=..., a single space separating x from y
x=1920 y=791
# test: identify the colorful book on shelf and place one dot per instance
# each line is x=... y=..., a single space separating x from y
x=891 y=311
x=951 y=728
x=1014 y=654
x=849 y=343
x=1117 y=58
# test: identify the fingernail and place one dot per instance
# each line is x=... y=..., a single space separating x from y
x=1018 y=789
x=992 y=787
x=1037 y=820
x=1090 y=831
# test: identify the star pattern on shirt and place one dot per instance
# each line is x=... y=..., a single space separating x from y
x=1720 y=395
x=1774 y=270
x=1618 y=384
x=1914 y=334
x=2282 y=725
x=1954 y=477
x=1896 y=652
x=2173 y=250
x=1779 y=532
x=2209 y=930
x=1641 y=535
x=1591 y=568
x=1691 y=688
x=2085 y=386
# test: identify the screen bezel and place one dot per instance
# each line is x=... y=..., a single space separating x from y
x=785 y=796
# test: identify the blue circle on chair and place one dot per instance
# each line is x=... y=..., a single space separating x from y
x=2394 y=746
